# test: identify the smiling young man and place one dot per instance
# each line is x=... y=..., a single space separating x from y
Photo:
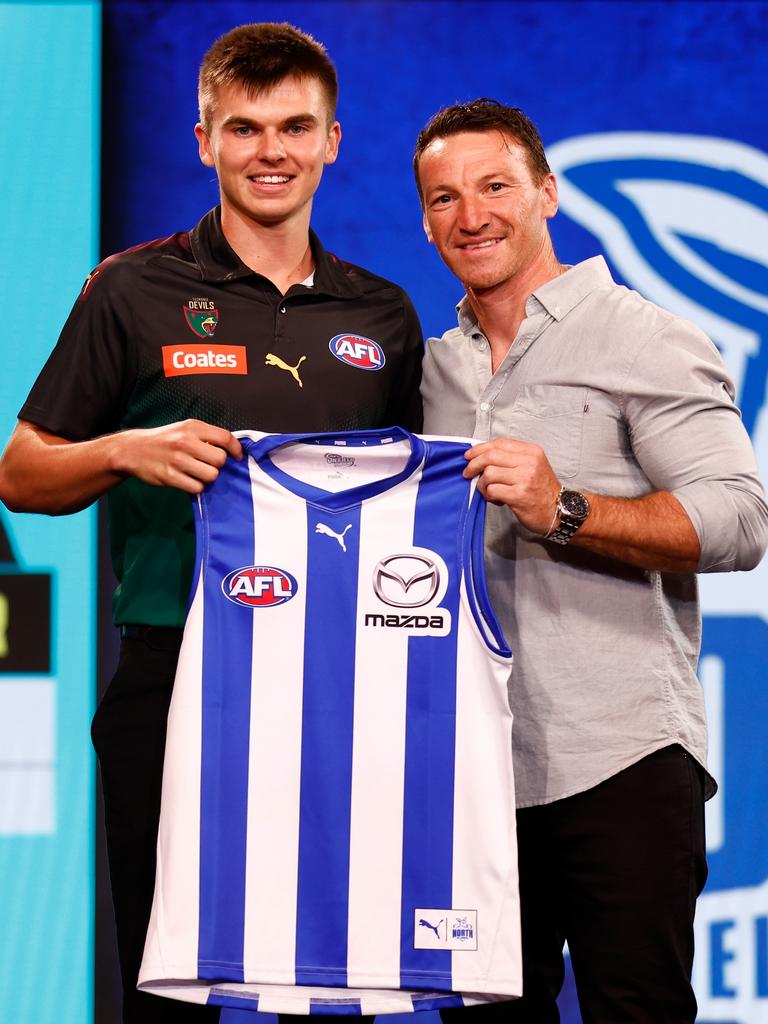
x=244 y=321
x=617 y=467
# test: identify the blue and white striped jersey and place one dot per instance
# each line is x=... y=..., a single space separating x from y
x=338 y=829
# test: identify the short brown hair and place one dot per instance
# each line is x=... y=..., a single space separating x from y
x=485 y=115
x=259 y=56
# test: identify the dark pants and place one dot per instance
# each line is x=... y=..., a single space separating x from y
x=615 y=872
x=129 y=737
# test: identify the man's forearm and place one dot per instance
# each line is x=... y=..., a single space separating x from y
x=40 y=472
x=652 y=532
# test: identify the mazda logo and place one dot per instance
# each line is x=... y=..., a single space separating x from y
x=406 y=581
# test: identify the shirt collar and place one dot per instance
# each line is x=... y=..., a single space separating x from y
x=218 y=261
x=558 y=296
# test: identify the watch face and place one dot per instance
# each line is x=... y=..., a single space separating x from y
x=574 y=504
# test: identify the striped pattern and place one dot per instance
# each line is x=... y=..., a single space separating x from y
x=350 y=770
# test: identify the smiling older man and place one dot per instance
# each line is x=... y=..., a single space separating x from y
x=618 y=467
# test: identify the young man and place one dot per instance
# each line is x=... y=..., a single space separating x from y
x=617 y=468
x=245 y=321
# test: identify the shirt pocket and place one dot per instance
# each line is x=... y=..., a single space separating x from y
x=552 y=416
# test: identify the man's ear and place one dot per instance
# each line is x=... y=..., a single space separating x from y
x=332 y=143
x=549 y=189
x=204 y=146
x=427 y=229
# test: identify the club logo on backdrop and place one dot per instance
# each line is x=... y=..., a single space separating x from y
x=259 y=586
x=684 y=220
x=355 y=350
x=202 y=317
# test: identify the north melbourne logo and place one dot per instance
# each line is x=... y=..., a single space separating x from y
x=452 y=928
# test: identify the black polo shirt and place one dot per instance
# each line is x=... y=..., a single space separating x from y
x=180 y=328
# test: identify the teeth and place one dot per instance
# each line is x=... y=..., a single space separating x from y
x=271 y=179
x=483 y=245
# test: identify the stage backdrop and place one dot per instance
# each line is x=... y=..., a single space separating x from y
x=654 y=118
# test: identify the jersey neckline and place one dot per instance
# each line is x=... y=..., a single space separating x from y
x=336 y=501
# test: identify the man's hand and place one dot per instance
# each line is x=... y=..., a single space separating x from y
x=186 y=455
x=519 y=475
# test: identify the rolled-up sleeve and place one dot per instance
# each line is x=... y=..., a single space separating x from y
x=687 y=435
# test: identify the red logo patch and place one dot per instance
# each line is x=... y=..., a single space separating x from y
x=184 y=359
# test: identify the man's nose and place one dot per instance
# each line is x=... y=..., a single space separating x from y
x=472 y=215
x=271 y=146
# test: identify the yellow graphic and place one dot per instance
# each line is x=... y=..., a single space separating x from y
x=293 y=370
x=88 y=280
x=4 y=610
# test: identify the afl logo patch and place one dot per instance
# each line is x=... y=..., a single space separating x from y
x=259 y=586
x=354 y=350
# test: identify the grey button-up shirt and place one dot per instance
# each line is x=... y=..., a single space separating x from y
x=625 y=399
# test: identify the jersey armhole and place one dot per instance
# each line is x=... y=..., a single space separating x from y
x=474 y=577
x=201 y=547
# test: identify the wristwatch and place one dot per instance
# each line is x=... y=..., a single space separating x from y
x=573 y=509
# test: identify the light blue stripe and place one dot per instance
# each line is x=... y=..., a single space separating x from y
x=326 y=749
x=227 y=642
x=431 y=725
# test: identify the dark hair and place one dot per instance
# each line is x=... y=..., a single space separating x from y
x=485 y=115
x=258 y=57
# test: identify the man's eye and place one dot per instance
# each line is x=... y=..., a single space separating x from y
x=441 y=200
x=496 y=186
x=243 y=130
x=297 y=129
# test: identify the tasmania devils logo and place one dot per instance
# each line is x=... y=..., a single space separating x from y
x=354 y=350
x=259 y=586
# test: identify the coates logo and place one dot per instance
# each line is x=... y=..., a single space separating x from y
x=179 y=360
x=259 y=586
x=354 y=350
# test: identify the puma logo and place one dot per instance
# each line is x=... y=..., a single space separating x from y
x=432 y=927
x=280 y=364
x=322 y=528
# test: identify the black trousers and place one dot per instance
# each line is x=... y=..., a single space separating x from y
x=615 y=872
x=128 y=734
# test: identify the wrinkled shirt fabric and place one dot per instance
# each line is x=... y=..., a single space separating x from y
x=625 y=399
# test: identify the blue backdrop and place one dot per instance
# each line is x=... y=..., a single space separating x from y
x=653 y=115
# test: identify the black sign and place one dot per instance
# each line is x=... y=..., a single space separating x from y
x=25 y=615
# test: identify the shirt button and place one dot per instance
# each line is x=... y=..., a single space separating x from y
x=485 y=406
x=481 y=346
x=282 y=309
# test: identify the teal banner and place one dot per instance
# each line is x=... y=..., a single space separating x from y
x=49 y=84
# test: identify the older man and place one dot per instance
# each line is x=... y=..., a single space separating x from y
x=610 y=444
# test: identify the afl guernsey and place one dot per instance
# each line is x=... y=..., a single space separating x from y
x=337 y=832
